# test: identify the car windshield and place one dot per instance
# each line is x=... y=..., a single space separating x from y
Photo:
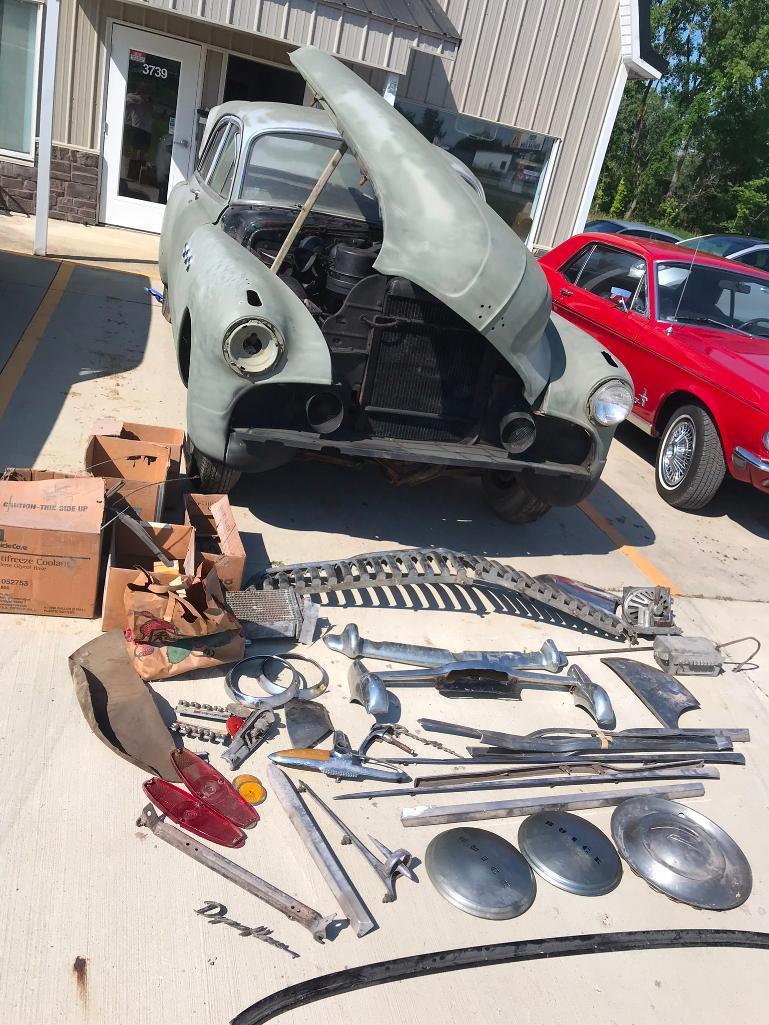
x=720 y=245
x=731 y=300
x=282 y=168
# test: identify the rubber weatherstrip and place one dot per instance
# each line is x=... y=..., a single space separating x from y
x=417 y=965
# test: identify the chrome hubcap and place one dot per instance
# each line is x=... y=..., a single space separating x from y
x=678 y=452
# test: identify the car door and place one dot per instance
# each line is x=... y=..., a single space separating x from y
x=604 y=291
x=199 y=201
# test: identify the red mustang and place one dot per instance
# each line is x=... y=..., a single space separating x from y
x=693 y=331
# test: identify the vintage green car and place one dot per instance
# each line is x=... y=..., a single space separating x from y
x=335 y=283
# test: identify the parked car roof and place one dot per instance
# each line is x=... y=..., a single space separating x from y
x=723 y=245
x=614 y=225
x=667 y=251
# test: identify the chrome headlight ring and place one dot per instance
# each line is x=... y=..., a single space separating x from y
x=610 y=403
x=252 y=347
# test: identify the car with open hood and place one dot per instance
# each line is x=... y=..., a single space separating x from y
x=336 y=283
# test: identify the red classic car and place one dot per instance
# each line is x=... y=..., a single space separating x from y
x=693 y=331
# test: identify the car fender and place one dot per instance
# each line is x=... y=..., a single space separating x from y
x=216 y=281
x=579 y=366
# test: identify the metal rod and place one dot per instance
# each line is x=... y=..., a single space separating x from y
x=544 y=781
x=283 y=902
x=429 y=815
x=307 y=206
x=487 y=756
x=320 y=851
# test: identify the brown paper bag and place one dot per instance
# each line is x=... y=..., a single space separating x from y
x=156 y=615
x=184 y=655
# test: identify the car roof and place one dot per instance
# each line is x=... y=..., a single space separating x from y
x=656 y=250
x=631 y=224
x=730 y=234
x=260 y=116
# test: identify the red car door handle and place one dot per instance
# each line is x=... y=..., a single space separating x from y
x=566 y=291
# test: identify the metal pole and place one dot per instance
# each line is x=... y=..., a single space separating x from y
x=45 y=135
x=309 y=203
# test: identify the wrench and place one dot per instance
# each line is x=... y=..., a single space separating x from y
x=349 y=642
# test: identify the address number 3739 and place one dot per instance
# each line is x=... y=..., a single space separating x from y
x=153 y=69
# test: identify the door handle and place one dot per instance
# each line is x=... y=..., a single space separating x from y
x=566 y=291
x=185 y=143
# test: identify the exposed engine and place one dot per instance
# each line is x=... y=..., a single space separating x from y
x=406 y=367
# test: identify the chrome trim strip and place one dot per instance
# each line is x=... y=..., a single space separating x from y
x=742 y=456
x=636 y=421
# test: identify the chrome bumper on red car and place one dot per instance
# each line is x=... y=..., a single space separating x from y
x=757 y=468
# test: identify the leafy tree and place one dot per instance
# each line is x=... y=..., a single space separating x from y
x=691 y=151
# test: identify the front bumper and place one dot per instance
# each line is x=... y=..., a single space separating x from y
x=756 y=468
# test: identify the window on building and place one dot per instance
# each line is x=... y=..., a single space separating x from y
x=509 y=163
x=253 y=80
x=19 y=47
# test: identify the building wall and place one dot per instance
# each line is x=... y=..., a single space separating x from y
x=546 y=66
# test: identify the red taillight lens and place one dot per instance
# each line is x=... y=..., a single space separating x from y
x=192 y=814
x=213 y=789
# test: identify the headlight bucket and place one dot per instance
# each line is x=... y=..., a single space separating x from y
x=252 y=347
x=610 y=403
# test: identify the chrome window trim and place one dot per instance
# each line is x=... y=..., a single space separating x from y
x=225 y=119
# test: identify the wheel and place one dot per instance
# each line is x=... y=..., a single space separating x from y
x=690 y=461
x=214 y=477
x=510 y=499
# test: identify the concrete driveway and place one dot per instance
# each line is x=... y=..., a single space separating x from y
x=99 y=922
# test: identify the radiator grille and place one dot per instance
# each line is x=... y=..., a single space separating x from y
x=427 y=372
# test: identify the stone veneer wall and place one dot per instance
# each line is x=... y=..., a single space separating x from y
x=74 y=185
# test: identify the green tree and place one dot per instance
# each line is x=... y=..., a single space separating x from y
x=691 y=151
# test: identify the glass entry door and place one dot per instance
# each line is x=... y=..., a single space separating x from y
x=149 y=129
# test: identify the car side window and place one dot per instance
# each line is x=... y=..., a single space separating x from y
x=224 y=168
x=212 y=148
x=613 y=273
x=758 y=258
x=572 y=270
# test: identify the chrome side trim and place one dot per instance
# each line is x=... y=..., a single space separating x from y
x=741 y=456
x=636 y=420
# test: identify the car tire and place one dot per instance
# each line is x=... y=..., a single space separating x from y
x=690 y=465
x=214 y=478
x=510 y=499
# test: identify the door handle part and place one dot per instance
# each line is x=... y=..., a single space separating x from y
x=566 y=291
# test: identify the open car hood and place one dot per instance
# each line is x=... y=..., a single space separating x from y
x=437 y=232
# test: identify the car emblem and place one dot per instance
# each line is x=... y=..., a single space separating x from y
x=187 y=256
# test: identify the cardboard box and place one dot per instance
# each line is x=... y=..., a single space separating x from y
x=50 y=543
x=128 y=555
x=141 y=465
x=217 y=540
x=171 y=438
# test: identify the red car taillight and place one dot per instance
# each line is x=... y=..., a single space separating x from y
x=213 y=789
x=190 y=813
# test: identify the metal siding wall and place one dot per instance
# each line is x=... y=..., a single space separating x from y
x=545 y=66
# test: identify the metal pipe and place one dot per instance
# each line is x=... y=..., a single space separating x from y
x=320 y=851
x=430 y=815
x=287 y=905
x=479 y=756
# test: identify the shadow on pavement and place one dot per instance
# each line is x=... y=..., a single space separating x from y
x=448 y=512
x=98 y=329
x=739 y=502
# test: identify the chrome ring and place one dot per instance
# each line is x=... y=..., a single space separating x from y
x=306 y=693
x=284 y=695
x=677 y=453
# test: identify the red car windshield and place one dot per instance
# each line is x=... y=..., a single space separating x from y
x=731 y=300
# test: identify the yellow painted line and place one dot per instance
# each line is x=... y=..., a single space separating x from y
x=18 y=361
x=151 y=271
x=649 y=570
